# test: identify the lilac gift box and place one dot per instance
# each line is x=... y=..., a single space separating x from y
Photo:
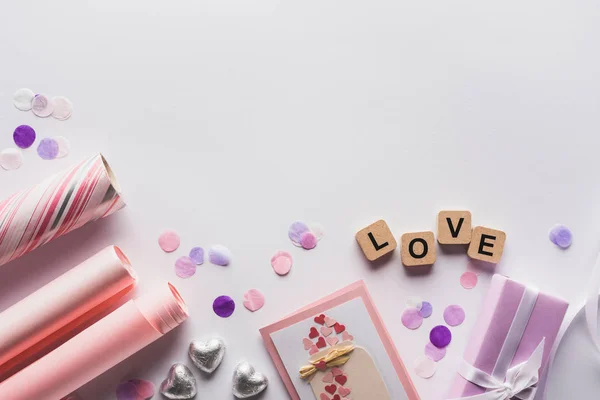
x=492 y=328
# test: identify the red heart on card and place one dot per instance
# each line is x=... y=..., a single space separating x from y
x=336 y=397
x=321 y=342
x=321 y=365
x=320 y=319
x=313 y=333
x=330 y=389
x=341 y=379
x=339 y=328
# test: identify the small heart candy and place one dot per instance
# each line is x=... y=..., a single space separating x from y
x=180 y=383
x=330 y=389
x=330 y=321
x=247 y=382
x=339 y=328
x=332 y=340
x=307 y=343
x=320 y=319
x=326 y=331
x=321 y=342
x=313 y=350
x=341 y=379
x=313 y=333
x=347 y=336
x=328 y=377
x=337 y=371
x=207 y=356
x=344 y=391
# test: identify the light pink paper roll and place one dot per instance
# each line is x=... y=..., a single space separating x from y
x=109 y=341
x=43 y=317
x=64 y=202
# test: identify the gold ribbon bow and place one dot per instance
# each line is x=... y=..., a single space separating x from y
x=335 y=358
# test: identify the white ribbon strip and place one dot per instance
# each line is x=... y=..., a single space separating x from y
x=519 y=381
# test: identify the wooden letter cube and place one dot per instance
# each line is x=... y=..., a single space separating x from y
x=376 y=240
x=454 y=227
x=418 y=248
x=487 y=244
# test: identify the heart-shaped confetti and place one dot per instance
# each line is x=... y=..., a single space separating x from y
x=219 y=255
x=135 y=389
x=326 y=331
x=328 y=377
x=344 y=391
x=207 y=355
x=247 y=382
x=180 y=383
x=346 y=336
x=339 y=328
x=313 y=350
x=330 y=322
x=332 y=340
x=307 y=343
x=341 y=379
x=321 y=342
x=281 y=262
x=254 y=300
x=169 y=241
x=185 y=267
x=313 y=333
x=321 y=365
x=337 y=371
x=323 y=396
x=331 y=389
x=320 y=319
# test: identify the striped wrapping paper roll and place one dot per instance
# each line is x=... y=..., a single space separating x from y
x=62 y=203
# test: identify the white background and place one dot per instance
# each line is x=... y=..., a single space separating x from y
x=226 y=120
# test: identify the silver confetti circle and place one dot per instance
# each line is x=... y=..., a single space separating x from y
x=247 y=382
x=207 y=355
x=180 y=383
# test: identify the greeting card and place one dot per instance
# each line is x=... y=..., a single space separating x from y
x=338 y=349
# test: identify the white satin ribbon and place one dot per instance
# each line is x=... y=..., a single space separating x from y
x=521 y=380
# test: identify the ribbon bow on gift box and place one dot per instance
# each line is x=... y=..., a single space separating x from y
x=521 y=380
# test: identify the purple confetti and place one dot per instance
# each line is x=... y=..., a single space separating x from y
x=411 y=318
x=454 y=315
x=219 y=255
x=185 y=267
x=440 y=336
x=197 y=255
x=308 y=240
x=434 y=353
x=296 y=230
x=48 y=149
x=426 y=309
x=224 y=306
x=561 y=236
x=24 y=136
x=135 y=389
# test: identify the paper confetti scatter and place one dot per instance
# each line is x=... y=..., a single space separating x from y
x=282 y=262
x=434 y=353
x=219 y=255
x=440 y=336
x=24 y=136
x=426 y=309
x=468 y=280
x=185 y=267
x=23 y=98
x=197 y=254
x=11 y=159
x=414 y=302
x=304 y=235
x=64 y=146
x=561 y=236
x=254 y=300
x=224 y=306
x=169 y=241
x=424 y=367
x=411 y=318
x=42 y=106
x=48 y=149
x=63 y=108
x=454 y=315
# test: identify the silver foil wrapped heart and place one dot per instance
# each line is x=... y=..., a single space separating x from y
x=207 y=355
x=180 y=383
x=247 y=382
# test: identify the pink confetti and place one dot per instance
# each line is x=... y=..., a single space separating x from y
x=185 y=267
x=254 y=300
x=282 y=262
x=411 y=318
x=42 y=106
x=454 y=315
x=434 y=353
x=468 y=280
x=169 y=241
x=308 y=240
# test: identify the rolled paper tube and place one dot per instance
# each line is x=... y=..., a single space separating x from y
x=109 y=341
x=60 y=204
x=44 y=317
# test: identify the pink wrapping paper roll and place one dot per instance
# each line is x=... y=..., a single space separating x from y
x=60 y=204
x=109 y=341
x=36 y=322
